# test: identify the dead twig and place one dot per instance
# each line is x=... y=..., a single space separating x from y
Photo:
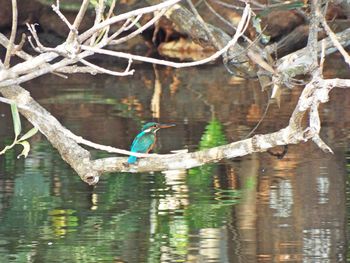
x=99 y=69
x=240 y=30
x=125 y=16
x=73 y=34
x=19 y=47
x=137 y=31
x=12 y=36
x=335 y=41
x=40 y=48
x=99 y=10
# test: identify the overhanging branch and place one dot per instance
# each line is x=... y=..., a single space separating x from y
x=68 y=145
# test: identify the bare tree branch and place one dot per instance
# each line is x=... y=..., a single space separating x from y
x=125 y=16
x=126 y=72
x=240 y=30
x=99 y=9
x=292 y=134
x=313 y=32
x=137 y=31
x=72 y=52
x=299 y=62
x=79 y=18
x=335 y=41
x=12 y=36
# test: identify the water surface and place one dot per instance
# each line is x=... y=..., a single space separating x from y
x=251 y=209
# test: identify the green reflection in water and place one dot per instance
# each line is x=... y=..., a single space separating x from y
x=194 y=203
x=347 y=156
x=203 y=208
x=208 y=208
x=213 y=135
x=51 y=216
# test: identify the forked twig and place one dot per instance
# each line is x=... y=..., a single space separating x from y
x=137 y=31
x=125 y=16
x=73 y=34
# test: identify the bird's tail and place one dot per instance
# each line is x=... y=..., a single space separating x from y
x=132 y=159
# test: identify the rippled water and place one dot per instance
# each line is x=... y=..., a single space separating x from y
x=251 y=209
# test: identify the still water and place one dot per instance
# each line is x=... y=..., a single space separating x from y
x=251 y=209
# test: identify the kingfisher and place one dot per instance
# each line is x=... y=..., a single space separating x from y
x=146 y=139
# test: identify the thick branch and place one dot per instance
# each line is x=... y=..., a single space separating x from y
x=299 y=62
x=90 y=170
x=315 y=92
x=76 y=156
x=258 y=143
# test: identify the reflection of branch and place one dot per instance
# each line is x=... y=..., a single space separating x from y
x=155 y=102
x=205 y=101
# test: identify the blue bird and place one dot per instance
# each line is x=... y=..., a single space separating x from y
x=146 y=139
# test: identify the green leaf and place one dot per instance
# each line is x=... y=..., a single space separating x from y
x=257 y=25
x=8 y=147
x=29 y=134
x=16 y=119
x=26 y=149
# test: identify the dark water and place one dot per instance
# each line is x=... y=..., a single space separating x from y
x=251 y=209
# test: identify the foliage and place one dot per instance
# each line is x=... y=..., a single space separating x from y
x=17 y=127
x=257 y=25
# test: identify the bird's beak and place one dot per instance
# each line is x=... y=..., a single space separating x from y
x=162 y=126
